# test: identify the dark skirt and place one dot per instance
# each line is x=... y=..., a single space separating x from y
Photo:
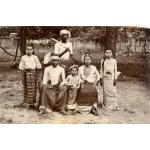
x=30 y=87
x=87 y=95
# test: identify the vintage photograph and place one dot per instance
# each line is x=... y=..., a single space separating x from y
x=74 y=75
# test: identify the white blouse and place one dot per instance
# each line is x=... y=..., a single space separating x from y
x=29 y=62
x=93 y=76
x=110 y=65
x=72 y=80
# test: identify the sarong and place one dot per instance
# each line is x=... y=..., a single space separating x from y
x=109 y=93
x=30 y=87
x=71 y=97
x=87 y=97
x=53 y=98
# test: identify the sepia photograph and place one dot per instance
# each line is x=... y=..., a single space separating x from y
x=74 y=75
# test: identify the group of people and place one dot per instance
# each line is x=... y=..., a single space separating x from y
x=67 y=87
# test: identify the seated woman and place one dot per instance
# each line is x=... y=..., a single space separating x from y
x=88 y=93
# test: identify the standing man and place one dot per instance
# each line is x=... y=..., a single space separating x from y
x=64 y=49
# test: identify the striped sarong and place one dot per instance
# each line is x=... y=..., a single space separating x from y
x=30 y=86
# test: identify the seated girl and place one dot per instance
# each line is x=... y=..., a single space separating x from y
x=72 y=82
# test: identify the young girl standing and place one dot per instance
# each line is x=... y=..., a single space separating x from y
x=30 y=65
x=108 y=80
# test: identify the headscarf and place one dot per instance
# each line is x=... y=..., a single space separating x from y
x=64 y=31
x=54 y=57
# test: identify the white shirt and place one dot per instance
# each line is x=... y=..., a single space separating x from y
x=93 y=76
x=110 y=65
x=29 y=62
x=60 y=47
x=72 y=80
x=53 y=74
x=47 y=58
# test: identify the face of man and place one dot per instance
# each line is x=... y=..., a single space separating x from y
x=29 y=50
x=55 y=62
x=64 y=37
x=87 y=60
x=108 y=54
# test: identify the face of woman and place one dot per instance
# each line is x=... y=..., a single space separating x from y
x=108 y=54
x=87 y=60
x=29 y=50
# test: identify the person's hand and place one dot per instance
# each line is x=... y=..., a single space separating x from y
x=97 y=83
x=67 y=49
x=39 y=84
x=101 y=81
x=115 y=82
x=22 y=81
x=62 y=84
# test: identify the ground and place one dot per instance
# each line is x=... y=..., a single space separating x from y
x=133 y=98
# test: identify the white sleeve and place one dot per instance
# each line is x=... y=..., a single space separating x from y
x=71 y=49
x=38 y=64
x=66 y=81
x=79 y=72
x=101 y=69
x=45 y=77
x=115 y=69
x=63 y=75
x=22 y=64
x=97 y=74
x=47 y=58
x=56 y=48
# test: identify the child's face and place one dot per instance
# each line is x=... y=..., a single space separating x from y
x=55 y=63
x=29 y=50
x=108 y=54
x=74 y=71
x=87 y=60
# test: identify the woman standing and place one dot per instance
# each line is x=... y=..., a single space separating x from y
x=88 y=93
x=108 y=80
x=29 y=66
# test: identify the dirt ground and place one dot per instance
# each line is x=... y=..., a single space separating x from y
x=133 y=98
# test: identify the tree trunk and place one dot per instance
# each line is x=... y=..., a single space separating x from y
x=23 y=33
x=111 y=39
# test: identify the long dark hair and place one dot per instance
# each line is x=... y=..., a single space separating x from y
x=104 y=58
